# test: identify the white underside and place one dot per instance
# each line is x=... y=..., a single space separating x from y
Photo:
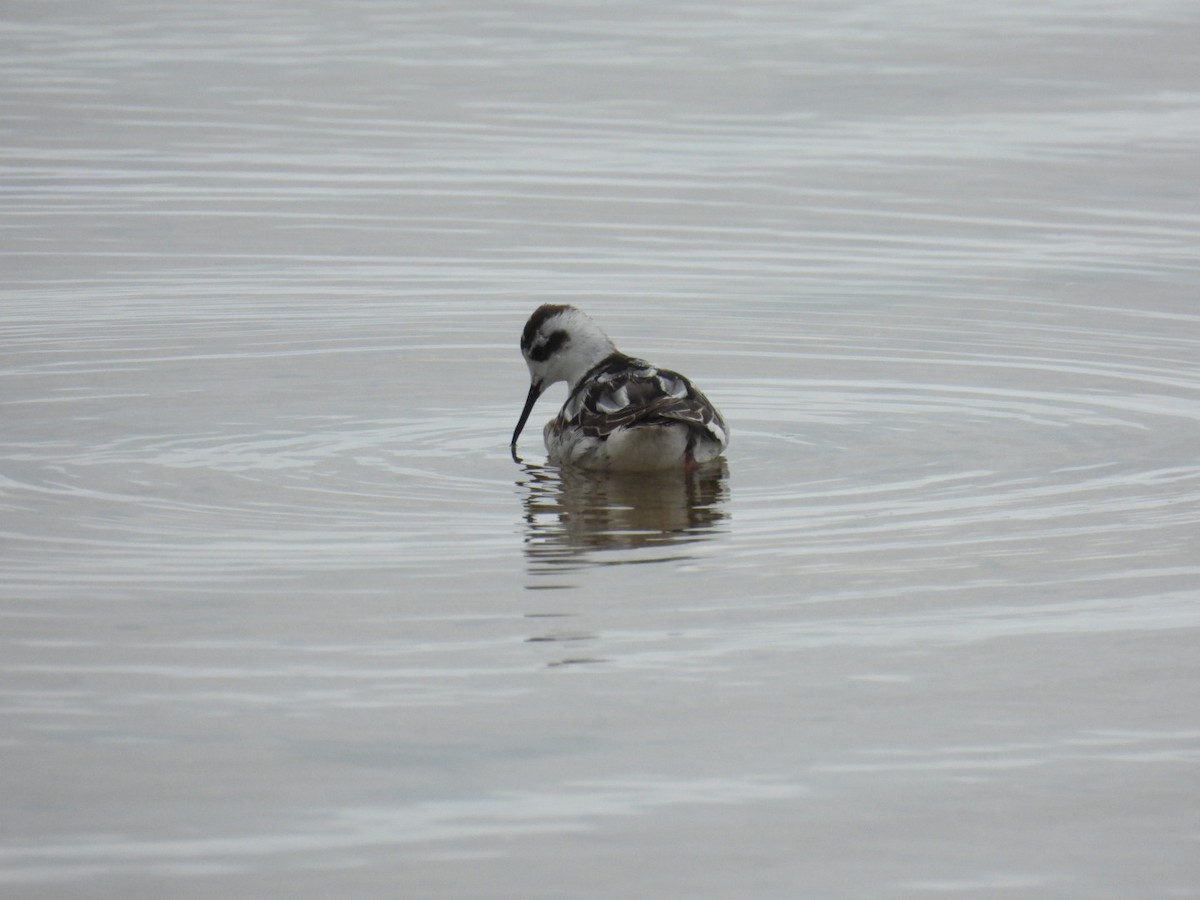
x=647 y=448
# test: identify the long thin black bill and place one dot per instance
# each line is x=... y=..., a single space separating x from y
x=534 y=392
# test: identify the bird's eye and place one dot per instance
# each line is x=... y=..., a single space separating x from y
x=543 y=351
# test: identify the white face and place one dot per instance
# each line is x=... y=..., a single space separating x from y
x=559 y=343
x=548 y=355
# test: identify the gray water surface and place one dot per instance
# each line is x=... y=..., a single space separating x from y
x=280 y=616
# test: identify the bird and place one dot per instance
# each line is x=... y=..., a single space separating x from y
x=622 y=414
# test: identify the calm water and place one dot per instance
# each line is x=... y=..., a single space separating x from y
x=282 y=618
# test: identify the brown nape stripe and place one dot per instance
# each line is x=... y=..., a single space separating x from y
x=540 y=315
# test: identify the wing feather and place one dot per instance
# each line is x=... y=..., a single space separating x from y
x=623 y=392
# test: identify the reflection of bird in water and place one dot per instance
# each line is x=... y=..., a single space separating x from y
x=569 y=512
x=622 y=414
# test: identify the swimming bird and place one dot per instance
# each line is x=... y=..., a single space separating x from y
x=622 y=414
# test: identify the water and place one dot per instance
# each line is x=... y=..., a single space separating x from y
x=281 y=617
